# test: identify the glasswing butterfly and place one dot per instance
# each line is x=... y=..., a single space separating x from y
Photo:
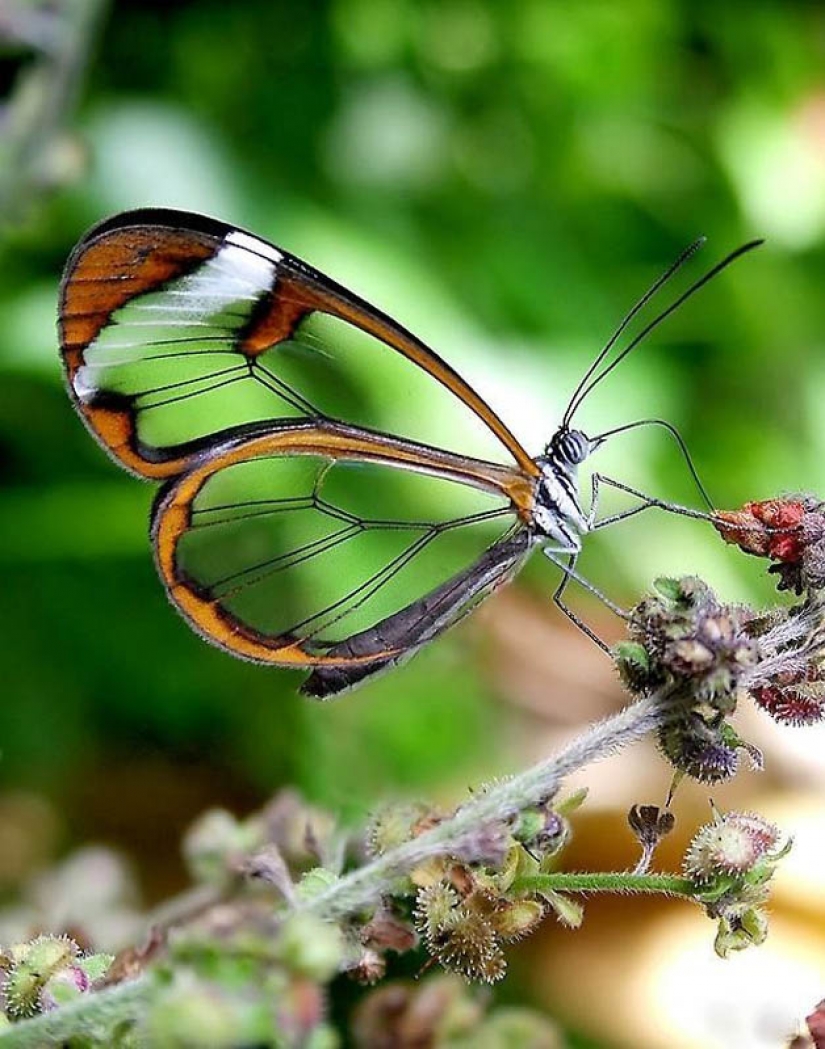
x=282 y=532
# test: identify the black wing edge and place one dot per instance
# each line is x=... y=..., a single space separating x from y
x=173 y=218
x=423 y=620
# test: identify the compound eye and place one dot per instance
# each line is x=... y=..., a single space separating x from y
x=575 y=446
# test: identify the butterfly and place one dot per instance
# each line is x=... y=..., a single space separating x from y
x=283 y=532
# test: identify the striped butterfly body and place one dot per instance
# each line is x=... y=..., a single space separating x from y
x=282 y=532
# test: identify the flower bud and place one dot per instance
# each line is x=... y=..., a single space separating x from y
x=434 y=906
x=471 y=947
x=33 y=965
x=698 y=749
x=541 y=830
x=790 y=531
x=214 y=842
x=310 y=947
x=392 y=826
x=732 y=844
x=513 y=920
x=63 y=986
x=683 y=637
x=315 y=882
x=189 y=1012
x=739 y=929
x=794 y=698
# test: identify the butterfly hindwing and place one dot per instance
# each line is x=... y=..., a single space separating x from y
x=324 y=545
x=422 y=620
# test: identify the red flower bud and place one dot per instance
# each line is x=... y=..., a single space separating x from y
x=771 y=528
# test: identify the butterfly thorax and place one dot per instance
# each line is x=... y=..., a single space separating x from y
x=557 y=511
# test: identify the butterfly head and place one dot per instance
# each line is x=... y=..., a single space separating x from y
x=568 y=448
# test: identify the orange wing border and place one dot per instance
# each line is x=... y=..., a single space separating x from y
x=171 y=517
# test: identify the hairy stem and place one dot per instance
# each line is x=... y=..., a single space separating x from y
x=92 y=1016
x=363 y=886
x=610 y=881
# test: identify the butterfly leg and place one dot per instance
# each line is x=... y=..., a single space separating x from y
x=569 y=572
x=647 y=502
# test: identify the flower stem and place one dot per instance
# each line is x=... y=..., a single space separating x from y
x=611 y=881
x=92 y=1016
x=360 y=888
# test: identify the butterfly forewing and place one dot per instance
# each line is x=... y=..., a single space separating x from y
x=176 y=328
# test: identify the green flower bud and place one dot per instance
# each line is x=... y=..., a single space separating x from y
x=33 y=965
x=194 y=1013
x=95 y=965
x=62 y=987
x=740 y=929
x=310 y=947
x=512 y=921
x=213 y=842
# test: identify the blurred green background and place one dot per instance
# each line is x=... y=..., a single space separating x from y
x=505 y=179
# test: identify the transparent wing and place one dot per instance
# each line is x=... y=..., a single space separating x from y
x=177 y=328
x=329 y=546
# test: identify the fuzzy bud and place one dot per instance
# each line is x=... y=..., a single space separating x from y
x=794 y=698
x=315 y=882
x=310 y=947
x=740 y=928
x=703 y=751
x=34 y=964
x=215 y=843
x=683 y=637
x=392 y=826
x=471 y=947
x=732 y=844
x=790 y=531
x=189 y=1012
x=63 y=987
x=513 y=920
x=541 y=830
x=434 y=906
x=771 y=528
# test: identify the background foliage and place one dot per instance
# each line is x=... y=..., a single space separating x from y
x=505 y=178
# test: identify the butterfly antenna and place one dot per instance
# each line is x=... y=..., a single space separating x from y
x=715 y=271
x=683 y=448
x=690 y=250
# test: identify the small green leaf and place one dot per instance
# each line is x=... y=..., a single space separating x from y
x=569 y=912
x=669 y=588
x=95 y=965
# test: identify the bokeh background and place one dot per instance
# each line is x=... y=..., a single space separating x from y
x=505 y=179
